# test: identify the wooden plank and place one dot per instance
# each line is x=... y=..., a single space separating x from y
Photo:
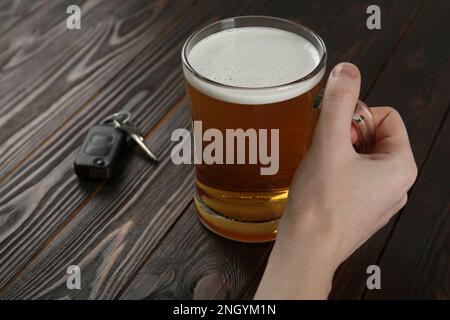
x=44 y=194
x=15 y=11
x=152 y=281
x=128 y=215
x=415 y=82
x=152 y=87
x=190 y=260
x=47 y=79
x=416 y=262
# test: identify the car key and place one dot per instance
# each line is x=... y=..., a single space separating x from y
x=135 y=134
x=104 y=145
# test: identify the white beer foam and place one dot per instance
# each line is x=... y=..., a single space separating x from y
x=253 y=57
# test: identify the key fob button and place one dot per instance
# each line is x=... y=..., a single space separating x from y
x=102 y=139
x=97 y=150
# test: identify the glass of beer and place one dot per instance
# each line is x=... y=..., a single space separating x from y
x=254 y=87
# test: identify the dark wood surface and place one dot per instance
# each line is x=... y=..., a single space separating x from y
x=137 y=235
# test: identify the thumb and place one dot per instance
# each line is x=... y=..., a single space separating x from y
x=339 y=101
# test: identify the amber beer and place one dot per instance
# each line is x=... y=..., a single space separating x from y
x=252 y=73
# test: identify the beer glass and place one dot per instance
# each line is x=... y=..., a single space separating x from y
x=260 y=77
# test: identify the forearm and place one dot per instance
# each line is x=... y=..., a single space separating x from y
x=301 y=265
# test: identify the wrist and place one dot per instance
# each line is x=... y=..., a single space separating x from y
x=302 y=262
x=314 y=234
x=299 y=276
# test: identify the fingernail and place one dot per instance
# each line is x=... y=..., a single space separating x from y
x=345 y=70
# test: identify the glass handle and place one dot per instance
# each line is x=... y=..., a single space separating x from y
x=364 y=124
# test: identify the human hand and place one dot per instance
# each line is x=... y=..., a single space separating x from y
x=338 y=198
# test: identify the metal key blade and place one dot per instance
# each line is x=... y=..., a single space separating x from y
x=140 y=141
x=134 y=134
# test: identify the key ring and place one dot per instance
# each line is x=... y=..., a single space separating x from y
x=123 y=116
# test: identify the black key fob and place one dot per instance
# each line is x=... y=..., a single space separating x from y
x=100 y=153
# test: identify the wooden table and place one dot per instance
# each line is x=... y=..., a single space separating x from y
x=137 y=235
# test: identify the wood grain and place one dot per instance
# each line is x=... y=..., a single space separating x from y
x=193 y=263
x=44 y=192
x=151 y=281
x=107 y=238
x=13 y=12
x=415 y=82
x=53 y=75
x=148 y=89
